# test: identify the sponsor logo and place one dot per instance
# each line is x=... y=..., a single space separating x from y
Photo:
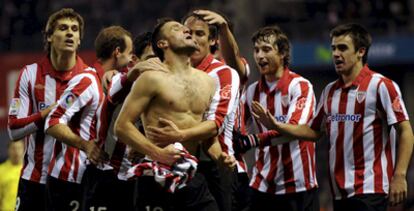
x=344 y=117
x=42 y=106
x=14 y=106
x=281 y=118
x=396 y=104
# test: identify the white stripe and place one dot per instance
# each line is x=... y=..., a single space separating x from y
x=332 y=140
x=349 y=160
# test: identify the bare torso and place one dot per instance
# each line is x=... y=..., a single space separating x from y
x=182 y=98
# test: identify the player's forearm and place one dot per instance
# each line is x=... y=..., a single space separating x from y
x=213 y=148
x=200 y=132
x=404 y=153
x=129 y=134
x=298 y=131
x=64 y=134
x=230 y=51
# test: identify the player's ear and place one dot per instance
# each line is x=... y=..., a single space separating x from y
x=117 y=51
x=162 y=44
x=361 y=52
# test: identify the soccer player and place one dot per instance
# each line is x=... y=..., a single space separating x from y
x=10 y=175
x=284 y=175
x=220 y=116
x=77 y=123
x=182 y=95
x=114 y=50
x=38 y=87
x=363 y=116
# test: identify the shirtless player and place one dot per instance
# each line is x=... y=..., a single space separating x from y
x=182 y=95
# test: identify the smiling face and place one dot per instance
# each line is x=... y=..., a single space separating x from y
x=267 y=56
x=66 y=36
x=344 y=55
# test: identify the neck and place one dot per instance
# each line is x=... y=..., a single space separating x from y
x=62 y=61
x=350 y=76
x=108 y=64
x=275 y=76
x=177 y=62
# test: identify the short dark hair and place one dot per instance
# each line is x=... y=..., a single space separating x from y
x=141 y=42
x=157 y=35
x=53 y=19
x=360 y=36
x=109 y=39
x=281 y=40
x=212 y=29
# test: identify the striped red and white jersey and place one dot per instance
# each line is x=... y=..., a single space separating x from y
x=290 y=167
x=358 y=123
x=240 y=124
x=223 y=106
x=81 y=107
x=118 y=90
x=37 y=87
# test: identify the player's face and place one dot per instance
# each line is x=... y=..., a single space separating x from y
x=199 y=30
x=344 y=55
x=147 y=53
x=123 y=58
x=179 y=37
x=66 y=36
x=267 y=57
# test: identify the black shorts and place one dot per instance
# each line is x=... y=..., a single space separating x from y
x=307 y=200
x=63 y=195
x=363 y=202
x=195 y=196
x=103 y=191
x=241 y=192
x=30 y=196
x=220 y=182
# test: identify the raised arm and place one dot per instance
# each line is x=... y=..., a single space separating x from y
x=142 y=92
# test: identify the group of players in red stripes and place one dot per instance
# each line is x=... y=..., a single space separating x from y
x=85 y=127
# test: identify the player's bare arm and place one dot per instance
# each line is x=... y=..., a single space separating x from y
x=398 y=186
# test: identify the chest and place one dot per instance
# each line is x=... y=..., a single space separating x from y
x=185 y=94
x=45 y=91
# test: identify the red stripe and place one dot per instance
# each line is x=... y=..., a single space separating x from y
x=56 y=150
x=328 y=101
x=378 y=147
x=68 y=156
x=288 y=169
x=76 y=156
x=225 y=81
x=273 y=151
x=260 y=161
x=39 y=95
x=304 y=150
x=390 y=165
x=339 y=148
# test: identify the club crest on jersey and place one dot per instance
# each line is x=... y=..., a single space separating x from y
x=361 y=96
x=396 y=104
x=285 y=100
x=68 y=100
x=301 y=103
x=14 y=106
x=225 y=92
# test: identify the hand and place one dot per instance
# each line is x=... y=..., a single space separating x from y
x=263 y=116
x=152 y=64
x=168 y=155
x=227 y=161
x=95 y=154
x=398 y=190
x=242 y=143
x=168 y=133
x=107 y=78
x=211 y=17
x=47 y=110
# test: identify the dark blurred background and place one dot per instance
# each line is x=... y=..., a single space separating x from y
x=307 y=23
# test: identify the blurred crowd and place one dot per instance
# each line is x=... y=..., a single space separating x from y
x=21 y=20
